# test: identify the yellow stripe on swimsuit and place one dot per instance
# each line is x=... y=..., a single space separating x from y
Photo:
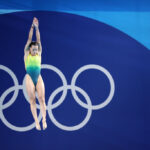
x=33 y=67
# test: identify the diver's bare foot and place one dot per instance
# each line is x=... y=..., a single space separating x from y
x=37 y=125
x=44 y=124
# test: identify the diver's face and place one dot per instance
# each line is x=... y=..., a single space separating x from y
x=34 y=50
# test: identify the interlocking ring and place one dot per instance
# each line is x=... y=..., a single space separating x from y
x=111 y=81
x=9 y=125
x=63 y=88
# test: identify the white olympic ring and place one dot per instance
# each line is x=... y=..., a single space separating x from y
x=64 y=81
x=51 y=106
x=108 y=76
x=9 y=125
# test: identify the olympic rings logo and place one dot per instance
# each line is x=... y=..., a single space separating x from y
x=64 y=88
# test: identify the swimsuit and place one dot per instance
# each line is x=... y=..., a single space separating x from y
x=33 y=67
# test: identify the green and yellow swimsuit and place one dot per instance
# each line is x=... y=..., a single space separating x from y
x=33 y=67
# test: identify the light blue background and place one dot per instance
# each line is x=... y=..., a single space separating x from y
x=129 y=16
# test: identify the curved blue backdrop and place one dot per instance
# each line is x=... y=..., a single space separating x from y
x=71 y=41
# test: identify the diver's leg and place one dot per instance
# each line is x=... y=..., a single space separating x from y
x=30 y=88
x=41 y=97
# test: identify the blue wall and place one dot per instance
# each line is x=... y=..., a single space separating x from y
x=114 y=88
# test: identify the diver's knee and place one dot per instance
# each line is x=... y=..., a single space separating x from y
x=32 y=100
x=41 y=99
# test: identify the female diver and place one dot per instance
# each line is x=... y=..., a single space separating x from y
x=34 y=81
